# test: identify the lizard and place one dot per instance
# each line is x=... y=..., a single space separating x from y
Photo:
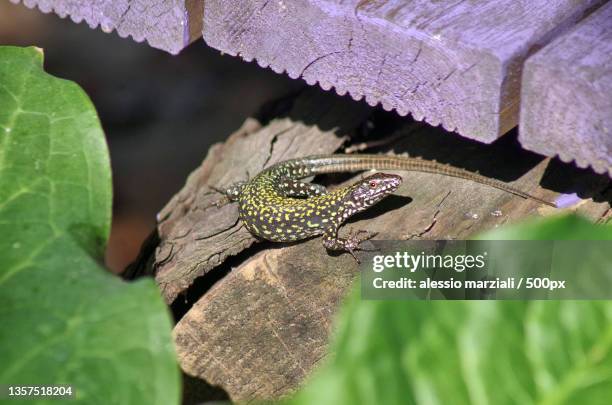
x=276 y=205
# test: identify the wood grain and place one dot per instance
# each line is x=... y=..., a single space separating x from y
x=170 y=25
x=567 y=95
x=263 y=328
x=259 y=333
x=453 y=63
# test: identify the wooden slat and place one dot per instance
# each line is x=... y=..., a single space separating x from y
x=170 y=25
x=566 y=107
x=454 y=63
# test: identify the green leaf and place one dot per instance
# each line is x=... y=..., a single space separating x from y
x=565 y=227
x=579 y=253
x=474 y=352
x=65 y=320
x=468 y=352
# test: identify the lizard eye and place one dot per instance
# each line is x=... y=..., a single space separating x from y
x=373 y=184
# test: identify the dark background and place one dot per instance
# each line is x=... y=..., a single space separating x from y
x=160 y=112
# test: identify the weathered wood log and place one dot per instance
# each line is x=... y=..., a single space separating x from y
x=195 y=234
x=566 y=107
x=260 y=332
x=170 y=25
x=263 y=327
x=453 y=63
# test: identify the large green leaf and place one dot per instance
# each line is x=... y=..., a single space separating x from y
x=563 y=227
x=580 y=253
x=468 y=352
x=472 y=352
x=65 y=320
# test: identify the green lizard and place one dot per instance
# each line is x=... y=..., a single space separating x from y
x=275 y=205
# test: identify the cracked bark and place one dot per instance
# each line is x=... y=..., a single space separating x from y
x=264 y=325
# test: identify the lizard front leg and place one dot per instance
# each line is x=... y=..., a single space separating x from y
x=351 y=244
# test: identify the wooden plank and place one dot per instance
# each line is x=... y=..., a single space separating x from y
x=453 y=63
x=567 y=95
x=262 y=329
x=170 y=25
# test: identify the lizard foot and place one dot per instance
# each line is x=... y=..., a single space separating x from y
x=353 y=242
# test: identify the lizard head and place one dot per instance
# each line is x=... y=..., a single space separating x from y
x=371 y=190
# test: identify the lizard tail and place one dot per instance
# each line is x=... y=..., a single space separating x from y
x=351 y=163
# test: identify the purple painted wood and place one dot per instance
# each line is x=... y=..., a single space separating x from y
x=170 y=25
x=566 y=107
x=454 y=63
